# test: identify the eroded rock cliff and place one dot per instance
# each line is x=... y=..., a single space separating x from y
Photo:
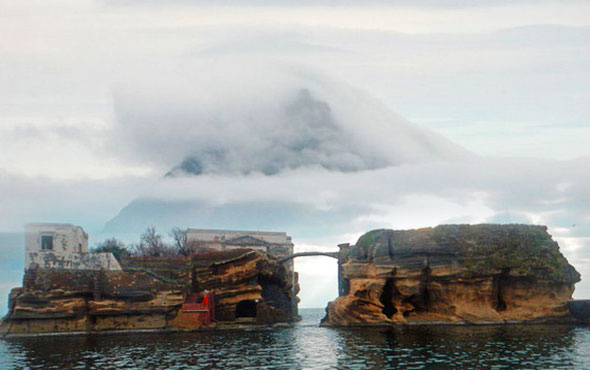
x=453 y=273
x=149 y=294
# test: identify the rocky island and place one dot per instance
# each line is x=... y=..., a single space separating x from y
x=453 y=274
x=449 y=274
x=67 y=290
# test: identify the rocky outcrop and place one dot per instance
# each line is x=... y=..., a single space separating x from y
x=580 y=309
x=149 y=294
x=455 y=274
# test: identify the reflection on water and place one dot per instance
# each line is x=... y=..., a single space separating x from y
x=308 y=346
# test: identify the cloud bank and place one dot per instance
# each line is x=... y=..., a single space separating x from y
x=250 y=116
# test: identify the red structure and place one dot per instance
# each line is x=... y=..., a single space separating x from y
x=205 y=309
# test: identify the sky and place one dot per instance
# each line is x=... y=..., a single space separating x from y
x=325 y=119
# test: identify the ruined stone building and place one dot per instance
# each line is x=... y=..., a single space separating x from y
x=66 y=289
x=276 y=244
x=63 y=246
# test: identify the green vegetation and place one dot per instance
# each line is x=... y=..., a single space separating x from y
x=369 y=238
x=114 y=246
x=485 y=249
x=152 y=274
x=525 y=250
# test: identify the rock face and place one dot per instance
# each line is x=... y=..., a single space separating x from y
x=149 y=294
x=453 y=273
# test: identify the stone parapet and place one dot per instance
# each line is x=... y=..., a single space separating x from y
x=73 y=261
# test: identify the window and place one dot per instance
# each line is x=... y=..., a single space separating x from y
x=46 y=242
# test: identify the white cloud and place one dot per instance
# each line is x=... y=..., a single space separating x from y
x=242 y=115
x=60 y=149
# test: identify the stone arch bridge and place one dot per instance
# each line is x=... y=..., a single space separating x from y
x=309 y=254
x=343 y=284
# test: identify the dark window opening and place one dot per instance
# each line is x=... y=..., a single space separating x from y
x=46 y=242
x=246 y=308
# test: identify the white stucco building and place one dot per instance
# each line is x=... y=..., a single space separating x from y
x=63 y=246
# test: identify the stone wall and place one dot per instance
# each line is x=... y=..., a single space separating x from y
x=72 y=260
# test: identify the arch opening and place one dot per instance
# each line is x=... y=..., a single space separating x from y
x=246 y=308
x=318 y=284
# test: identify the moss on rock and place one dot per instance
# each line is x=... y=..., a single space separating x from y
x=486 y=249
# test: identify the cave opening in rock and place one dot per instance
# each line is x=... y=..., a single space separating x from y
x=499 y=288
x=274 y=293
x=246 y=308
x=420 y=301
x=386 y=298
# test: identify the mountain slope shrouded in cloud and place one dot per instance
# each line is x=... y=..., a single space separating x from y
x=307 y=136
x=266 y=121
x=199 y=122
x=245 y=215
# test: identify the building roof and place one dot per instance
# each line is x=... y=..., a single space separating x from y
x=220 y=231
x=245 y=240
x=49 y=224
x=271 y=237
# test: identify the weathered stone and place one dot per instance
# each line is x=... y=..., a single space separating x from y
x=149 y=294
x=454 y=273
x=580 y=309
x=42 y=326
x=162 y=303
x=130 y=322
x=267 y=314
x=63 y=246
x=47 y=305
x=187 y=321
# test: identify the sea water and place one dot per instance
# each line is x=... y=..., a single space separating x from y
x=307 y=346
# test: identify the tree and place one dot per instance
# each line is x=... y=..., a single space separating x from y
x=180 y=243
x=152 y=245
x=114 y=246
